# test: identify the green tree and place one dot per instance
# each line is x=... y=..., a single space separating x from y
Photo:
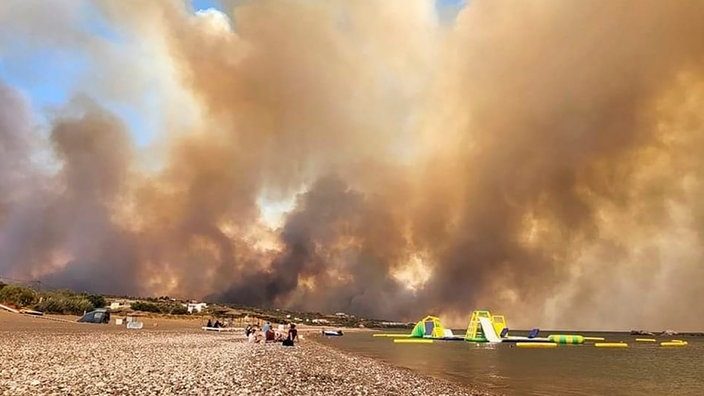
x=179 y=310
x=17 y=295
x=63 y=303
x=97 y=300
x=145 y=307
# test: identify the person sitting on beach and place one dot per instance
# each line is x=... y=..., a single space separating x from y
x=292 y=335
x=247 y=330
x=269 y=335
x=210 y=323
x=266 y=328
x=255 y=336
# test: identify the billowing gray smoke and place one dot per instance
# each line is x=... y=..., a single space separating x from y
x=71 y=215
x=537 y=159
x=314 y=239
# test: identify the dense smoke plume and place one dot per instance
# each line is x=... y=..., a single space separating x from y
x=539 y=159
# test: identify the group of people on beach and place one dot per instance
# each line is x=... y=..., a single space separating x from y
x=215 y=325
x=266 y=333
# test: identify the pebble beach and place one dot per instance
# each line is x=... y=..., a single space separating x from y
x=41 y=356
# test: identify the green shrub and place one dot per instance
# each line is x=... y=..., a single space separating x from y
x=145 y=307
x=61 y=303
x=173 y=309
x=78 y=305
x=20 y=296
x=97 y=300
x=179 y=310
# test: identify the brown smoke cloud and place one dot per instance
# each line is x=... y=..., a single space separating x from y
x=537 y=159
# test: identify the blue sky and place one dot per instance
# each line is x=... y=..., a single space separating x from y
x=48 y=75
x=205 y=4
x=445 y=7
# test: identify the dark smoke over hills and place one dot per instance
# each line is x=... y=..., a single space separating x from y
x=540 y=159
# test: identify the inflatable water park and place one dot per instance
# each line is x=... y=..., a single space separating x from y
x=484 y=327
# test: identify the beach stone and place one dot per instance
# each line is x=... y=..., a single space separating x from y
x=72 y=359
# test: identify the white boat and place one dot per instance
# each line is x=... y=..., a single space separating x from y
x=218 y=329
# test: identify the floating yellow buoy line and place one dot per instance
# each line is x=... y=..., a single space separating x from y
x=412 y=341
x=611 y=345
x=566 y=339
x=674 y=343
x=485 y=327
x=536 y=345
x=391 y=335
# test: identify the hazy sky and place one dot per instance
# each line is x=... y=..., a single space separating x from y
x=391 y=159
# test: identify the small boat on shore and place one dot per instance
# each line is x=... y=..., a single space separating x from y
x=31 y=312
x=219 y=329
x=9 y=309
x=332 y=333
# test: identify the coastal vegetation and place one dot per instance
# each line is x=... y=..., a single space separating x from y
x=72 y=303
x=57 y=302
x=64 y=302
x=17 y=295
x=170 y=309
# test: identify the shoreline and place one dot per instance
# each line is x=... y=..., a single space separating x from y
x=431 y=385
x=43 y=357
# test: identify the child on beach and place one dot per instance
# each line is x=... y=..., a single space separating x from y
x=253 y=337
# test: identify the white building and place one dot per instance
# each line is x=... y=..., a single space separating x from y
x=195 y=307
x=117 y=304
x=390 y=324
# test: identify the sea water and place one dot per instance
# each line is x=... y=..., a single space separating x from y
x=640 y=369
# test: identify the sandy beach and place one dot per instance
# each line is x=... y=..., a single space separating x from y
x=41 y=356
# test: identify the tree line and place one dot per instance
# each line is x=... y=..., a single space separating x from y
x=70 y=303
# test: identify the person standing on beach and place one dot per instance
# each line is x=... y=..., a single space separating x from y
x=266 y=328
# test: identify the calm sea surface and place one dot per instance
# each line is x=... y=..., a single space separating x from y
x=641 y=369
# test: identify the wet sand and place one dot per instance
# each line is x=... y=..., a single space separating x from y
x=41 y=356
